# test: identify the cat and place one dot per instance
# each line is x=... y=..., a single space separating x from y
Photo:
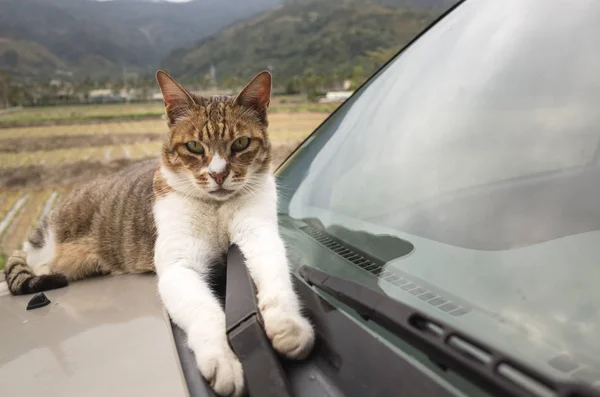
x=211 y=187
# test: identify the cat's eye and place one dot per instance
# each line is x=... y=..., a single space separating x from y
x=195 y=147
x=240 y=144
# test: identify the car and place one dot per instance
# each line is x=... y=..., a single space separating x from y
x=443 y=226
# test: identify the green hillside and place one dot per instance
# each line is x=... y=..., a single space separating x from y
x=305 y=36
x=27 y=58
x=98 y=39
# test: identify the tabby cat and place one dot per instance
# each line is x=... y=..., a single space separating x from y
x=212 y=187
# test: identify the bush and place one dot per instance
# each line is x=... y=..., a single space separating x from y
x=313 y=96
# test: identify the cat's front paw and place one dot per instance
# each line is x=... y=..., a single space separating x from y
x=222 y=370
x=291 y=334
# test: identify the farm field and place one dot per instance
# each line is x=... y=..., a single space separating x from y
x=130 y=111
x=40 y=164
x=78 y=113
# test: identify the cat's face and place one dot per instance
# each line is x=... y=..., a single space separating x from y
x=218 y=147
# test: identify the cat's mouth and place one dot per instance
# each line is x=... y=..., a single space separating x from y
x=221 y=192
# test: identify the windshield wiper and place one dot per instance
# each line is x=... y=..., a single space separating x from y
x=491 y=369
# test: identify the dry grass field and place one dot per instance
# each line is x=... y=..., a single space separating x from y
x=40 y=161
x=129 y=111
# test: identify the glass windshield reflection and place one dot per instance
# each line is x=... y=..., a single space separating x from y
x=479 y=146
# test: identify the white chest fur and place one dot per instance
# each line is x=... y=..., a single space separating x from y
x=194 y=233
x=191 y=229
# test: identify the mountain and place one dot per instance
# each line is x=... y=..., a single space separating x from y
x=306 y=36
x=28 y=57
x=96 y=38
x=439 y=5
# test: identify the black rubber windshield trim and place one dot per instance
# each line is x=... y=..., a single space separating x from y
x=263 y=372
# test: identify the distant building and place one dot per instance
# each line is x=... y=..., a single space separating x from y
x=63 y=90
x=133 y=94
x=65 y=93
x=103 y=96
x=336 y=96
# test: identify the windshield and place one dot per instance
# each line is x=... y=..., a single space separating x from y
x=466 y=174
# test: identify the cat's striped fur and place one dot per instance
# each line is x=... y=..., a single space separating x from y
x=177 y=216
x=104 y=227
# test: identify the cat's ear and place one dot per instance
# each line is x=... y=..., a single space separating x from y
x=257 y=94
x=177 y=100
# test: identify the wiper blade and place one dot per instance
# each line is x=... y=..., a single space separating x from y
x=494 y=371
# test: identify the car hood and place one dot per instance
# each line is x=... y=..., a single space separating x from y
x=106 y=336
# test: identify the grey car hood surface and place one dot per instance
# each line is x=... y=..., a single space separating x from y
x=106 y=336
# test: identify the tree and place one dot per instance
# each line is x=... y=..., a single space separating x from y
x=5 y=89
x=231 y=83
x=358 y=77
x=82 y=88
x=338 y=76
x=11 y=58
x=293 y=85
x=374 y=59
x=17 y=96
x=311 y=82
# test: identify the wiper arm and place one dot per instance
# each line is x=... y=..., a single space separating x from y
x=491 y=369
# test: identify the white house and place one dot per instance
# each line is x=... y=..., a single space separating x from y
x=336 y=96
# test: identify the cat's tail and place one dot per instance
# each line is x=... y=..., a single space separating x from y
x=22 y=280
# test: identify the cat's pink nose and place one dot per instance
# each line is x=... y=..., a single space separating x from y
x=219 y=177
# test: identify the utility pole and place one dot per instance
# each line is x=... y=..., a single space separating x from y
x=125 y=85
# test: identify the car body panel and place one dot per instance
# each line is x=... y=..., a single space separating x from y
x=106 y=336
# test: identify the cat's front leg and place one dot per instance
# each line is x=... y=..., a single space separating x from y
x=254 y=230
x=192 y=306
x=182 y=269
